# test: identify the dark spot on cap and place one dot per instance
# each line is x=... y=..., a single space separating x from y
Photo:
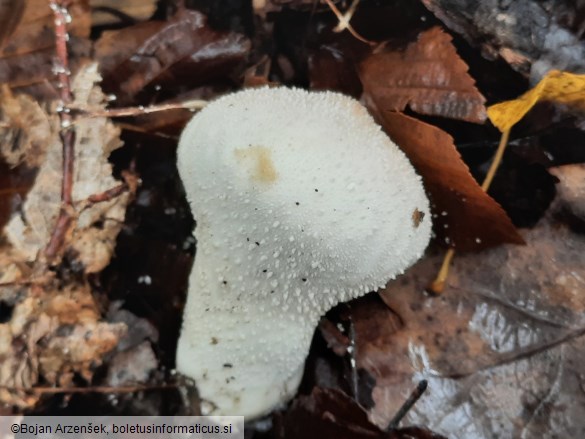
x=214 y=340
x=417 y=217
x=228 y=365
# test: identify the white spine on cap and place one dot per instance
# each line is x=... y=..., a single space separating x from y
x=301 y=202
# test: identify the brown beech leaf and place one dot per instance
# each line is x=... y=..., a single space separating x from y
x=182 y=51
x=428 y=76
x=465 y=217
x=27 y=56
x=330 y=413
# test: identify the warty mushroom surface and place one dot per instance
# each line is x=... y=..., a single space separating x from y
x=301 y=202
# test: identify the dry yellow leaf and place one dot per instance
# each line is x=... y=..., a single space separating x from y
x=562 y=87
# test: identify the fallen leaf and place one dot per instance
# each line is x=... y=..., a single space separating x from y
x=183 y=52
x=464 y=216
x=561 y=87
x=428 y=77
x=502 y=350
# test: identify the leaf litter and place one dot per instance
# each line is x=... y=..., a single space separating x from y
x=500 y=349
x=56 y=331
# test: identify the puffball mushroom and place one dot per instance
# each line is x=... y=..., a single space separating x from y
x=300 y=202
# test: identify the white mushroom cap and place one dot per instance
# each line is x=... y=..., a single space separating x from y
x=301 y=202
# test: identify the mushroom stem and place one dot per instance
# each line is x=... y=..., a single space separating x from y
x=245 y=357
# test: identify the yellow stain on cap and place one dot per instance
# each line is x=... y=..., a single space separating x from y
x=259 y=158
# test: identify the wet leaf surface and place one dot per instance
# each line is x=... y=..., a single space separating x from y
x=158 y=55
x=427 y=76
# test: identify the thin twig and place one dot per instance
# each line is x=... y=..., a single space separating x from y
x=108 y=195
x=344 y=20
x=139 y=129
x=67 y=134
x=192 y=105
x=496 y=161
x=130 y=184
x=412 y=399
x=438 y=284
